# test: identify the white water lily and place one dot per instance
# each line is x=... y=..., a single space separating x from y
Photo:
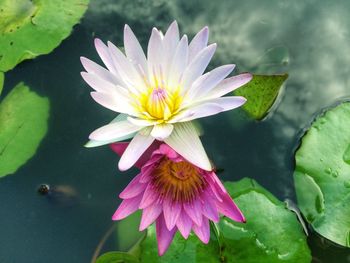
x=158 y=96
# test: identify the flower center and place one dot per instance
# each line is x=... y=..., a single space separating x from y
x=179 y=181
x=159 y=103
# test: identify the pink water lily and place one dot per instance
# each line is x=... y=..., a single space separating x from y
x=158 y=96
x=175 y=194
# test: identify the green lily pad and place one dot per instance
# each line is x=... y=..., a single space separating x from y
x=117 y=257
x=34 y=27
x=23 y=124
x=272 y=234
x=322 y=175
x=2 y=76
x=261 y=93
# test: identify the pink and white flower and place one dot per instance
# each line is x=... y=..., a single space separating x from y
x=158 y=96
x=175 y=194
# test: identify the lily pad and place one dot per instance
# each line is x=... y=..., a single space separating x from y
x=272 y=234
x=322 y=175
x=34 y=27
x=1 y=81
x=117 y=257
x=261 y=93
x=23 y=124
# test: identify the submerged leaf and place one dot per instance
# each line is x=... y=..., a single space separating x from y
x=23 y=124
x=261 y=92
x=322 y=175
x=33 y=27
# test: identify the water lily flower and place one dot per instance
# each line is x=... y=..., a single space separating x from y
x=175 y=194
x=158 y=96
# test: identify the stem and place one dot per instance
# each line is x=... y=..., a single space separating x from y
x=101 y=243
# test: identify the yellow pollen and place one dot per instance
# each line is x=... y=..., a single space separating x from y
x=179 y=181
x=159 y=103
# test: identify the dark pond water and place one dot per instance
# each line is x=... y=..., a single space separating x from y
x=308 y=39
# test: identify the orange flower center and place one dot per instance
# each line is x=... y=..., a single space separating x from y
x=179 y=181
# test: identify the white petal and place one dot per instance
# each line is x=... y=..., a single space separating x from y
x=170 y=42
x=229 y=85
x=120 y=117
x=199 y=42
x=99 y=84
x=127 y=71
x=135 y=149
x=114 y=102
x=95 y=69
x=179 y=63
x=133 y=49
x=114 y=131
x=155 y=55
x=103 y=52
x=229 y=103
x=201 y=88
x=196 y=112
x=196 y=68
x=185 y=141
x=162 y=131
x=141 y=122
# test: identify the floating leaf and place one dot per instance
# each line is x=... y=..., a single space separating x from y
x=272 y=234
x=322 y=175
x=1 y=81
x=127 y=231
x=181 y=250
x=23 y=124
x=261 y=92
x=117 y=257
x=33 y=27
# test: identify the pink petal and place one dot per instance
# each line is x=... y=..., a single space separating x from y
x=203 y=231
x=228 y=208
x=171 y=211
x=209 y=208
x=194 y=211
x=149 y=197
x=149 y=215
x=164 y=236
x=127 y=207
x=168 y=151
x=184 y=224
x=133 y=189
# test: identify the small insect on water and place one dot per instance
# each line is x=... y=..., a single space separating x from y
x=64 y=195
